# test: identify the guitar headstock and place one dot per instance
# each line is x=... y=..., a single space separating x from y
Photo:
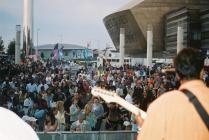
x=106 y=95
x=110 y=96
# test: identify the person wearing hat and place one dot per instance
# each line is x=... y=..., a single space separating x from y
x=127 y=125
x=31 y=121
x=81 y=124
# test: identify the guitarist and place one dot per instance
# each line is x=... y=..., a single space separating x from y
x=176 y=115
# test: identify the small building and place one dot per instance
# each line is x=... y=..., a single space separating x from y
x=70 y=51
x=111 y=57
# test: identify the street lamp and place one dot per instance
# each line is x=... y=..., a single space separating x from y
x=17 y=44
x=37 y=43
x=129 y=59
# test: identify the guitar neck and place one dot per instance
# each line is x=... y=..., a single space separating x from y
x=130 y=107
x=109 y=96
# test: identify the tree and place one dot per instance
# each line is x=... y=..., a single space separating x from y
x=1 y=44
x=32 y=51
x=22 y=56
x=42 y=55
x=11 y=48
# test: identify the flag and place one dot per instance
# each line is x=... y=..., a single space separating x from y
x=88 y=44
x=86 y=53
x=61 y=53
x=86 y=50
x=56 y=52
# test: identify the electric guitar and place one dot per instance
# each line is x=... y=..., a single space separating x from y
x=109 y=97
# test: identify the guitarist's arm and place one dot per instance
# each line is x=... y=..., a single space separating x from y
x=139 y=114
x=139 y=120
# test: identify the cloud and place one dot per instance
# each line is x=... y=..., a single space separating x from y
x=73 y=10
x=10 y=16
x=77 y=21
x=12 y=7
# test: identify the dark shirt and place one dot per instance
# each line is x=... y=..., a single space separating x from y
x=138 y=95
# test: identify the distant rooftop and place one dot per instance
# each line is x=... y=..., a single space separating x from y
x=66 y=46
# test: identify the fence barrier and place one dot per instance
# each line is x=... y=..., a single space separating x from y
x=91 y=135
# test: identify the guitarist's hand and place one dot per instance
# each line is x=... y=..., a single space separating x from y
x=139 y=120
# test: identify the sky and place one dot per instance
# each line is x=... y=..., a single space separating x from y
x=67 y=21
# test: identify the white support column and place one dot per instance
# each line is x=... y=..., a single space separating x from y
x=27 y=26
x=149 y=45
x=37 y=55
x=17 y=44
x=122 y=45
x=180 y=38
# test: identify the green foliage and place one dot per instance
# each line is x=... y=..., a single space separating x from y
x=22 y=56
x=1 y=44
x=11 y=48
x=32 y=51
x=42 y=55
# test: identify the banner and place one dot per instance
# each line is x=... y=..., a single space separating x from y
x=56 y=51
x=61 y=53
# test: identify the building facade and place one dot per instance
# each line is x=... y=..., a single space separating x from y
x=189 y=20
x=70 y=51
x=205 y=31
x=137 y=15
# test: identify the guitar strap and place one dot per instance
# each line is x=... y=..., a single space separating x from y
x=198 y=106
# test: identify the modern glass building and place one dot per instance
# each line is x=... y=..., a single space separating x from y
x=164 y=16
x=189 y=20
x=204 y=18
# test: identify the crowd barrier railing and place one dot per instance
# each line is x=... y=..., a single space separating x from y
x=90 y=135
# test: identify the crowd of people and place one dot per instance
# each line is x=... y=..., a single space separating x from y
x=50 y=98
